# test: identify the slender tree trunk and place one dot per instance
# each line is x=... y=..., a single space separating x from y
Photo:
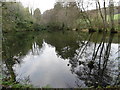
x=85 y=14
x=101 y=14
x=111 y=10
x=97 y=17
x=105 y=13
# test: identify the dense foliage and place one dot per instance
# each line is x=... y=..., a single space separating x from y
x=17 y=18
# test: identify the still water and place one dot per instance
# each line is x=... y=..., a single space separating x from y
x=61 y=59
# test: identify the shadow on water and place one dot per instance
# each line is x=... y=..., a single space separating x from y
x=96 y=70
x=68 y=59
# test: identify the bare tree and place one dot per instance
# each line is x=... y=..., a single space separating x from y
x=111 y=12
x=101 y=14
x=105 y=14
x=84 y=13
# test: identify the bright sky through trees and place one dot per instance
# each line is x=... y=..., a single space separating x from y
x=44 y=5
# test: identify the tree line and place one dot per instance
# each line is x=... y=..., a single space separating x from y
x=17 y=18
x=64 y=16
x=74 y=15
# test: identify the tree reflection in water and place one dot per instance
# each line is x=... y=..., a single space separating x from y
x=94 y=67
x=14 y=48
x=89 y=59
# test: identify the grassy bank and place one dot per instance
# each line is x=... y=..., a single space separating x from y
x=116 y=17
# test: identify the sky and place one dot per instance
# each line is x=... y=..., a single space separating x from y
x=44 y=5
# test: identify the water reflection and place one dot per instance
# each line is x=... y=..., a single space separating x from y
x=94 y=65
x=44 y=67
x=62 y=60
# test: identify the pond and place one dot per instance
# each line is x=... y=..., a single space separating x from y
x=61 y=59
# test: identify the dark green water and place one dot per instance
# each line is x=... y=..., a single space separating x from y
x=61 y=59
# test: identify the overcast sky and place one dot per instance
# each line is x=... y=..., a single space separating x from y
x=44 y=5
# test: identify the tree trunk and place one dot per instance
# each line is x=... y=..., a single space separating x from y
x=85 y=14
x=111 y=11
x=101 y=14
x=105 y=13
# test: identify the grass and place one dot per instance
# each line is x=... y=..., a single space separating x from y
x=116 y=17
x=10 y=84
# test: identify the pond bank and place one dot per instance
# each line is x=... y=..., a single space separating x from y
x=77 y=30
